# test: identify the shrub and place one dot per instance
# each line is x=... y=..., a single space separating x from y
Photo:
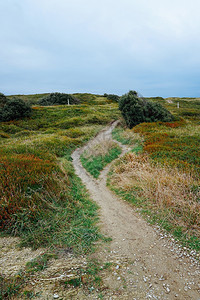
x=154 y=112
x=137 y=110
x=3 y=100
x=14 y=109
x=58 y=99
x=112 y=97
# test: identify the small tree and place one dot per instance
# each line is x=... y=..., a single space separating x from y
x=136 y=110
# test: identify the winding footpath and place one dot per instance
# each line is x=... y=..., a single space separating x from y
x=148 y=264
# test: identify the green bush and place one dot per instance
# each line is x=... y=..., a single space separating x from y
x=137 y=110
x=112 y=97
x=154 y=112
x=58 y=99
x=14 y=109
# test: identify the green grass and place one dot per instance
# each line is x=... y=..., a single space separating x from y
x=95 y=164
x=128 y=137
x=39 y=263
x=118 y=134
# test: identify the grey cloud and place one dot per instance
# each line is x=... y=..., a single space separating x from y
x=108 y=46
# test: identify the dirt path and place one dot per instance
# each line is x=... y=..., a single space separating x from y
x=149 y=265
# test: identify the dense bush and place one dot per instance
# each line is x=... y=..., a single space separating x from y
x=156 y=112
x=137 y=110
x=14 y=109
x=58 y=99
x=112 y=97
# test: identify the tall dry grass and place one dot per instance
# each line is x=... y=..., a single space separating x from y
x=99 y=148
x=161 y=187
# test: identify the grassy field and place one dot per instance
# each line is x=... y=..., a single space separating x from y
x=44 y=203
x=38 y=184
x=42 y=200
x=163 y=180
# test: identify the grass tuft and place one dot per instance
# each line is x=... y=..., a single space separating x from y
x=96 y=158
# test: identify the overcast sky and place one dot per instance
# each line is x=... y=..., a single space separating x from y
x=107 y=46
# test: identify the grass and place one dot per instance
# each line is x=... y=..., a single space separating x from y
x=163 y=180
x=98 y=156
x=123 y=136
x=128 y=137
x=41 y=198
x=174 y=146
x=39 y=263
x=48 y=209
x=160 y=192
x=45 y=203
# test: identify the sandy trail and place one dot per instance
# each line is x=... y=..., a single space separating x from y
x=149 y=265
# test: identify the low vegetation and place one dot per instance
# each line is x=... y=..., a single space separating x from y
x=42 y=200
x=128 y=137
x=98 y=156
x=167 y=195
x=112 y=97
x=163 y=180
x=45 y=203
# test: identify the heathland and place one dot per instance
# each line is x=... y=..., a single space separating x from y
x=162 y=178
x=43 y=201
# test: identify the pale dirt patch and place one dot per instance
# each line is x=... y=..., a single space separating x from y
x=13 y=258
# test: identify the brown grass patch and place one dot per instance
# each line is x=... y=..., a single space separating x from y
x=162 y=187
x=100 y=148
